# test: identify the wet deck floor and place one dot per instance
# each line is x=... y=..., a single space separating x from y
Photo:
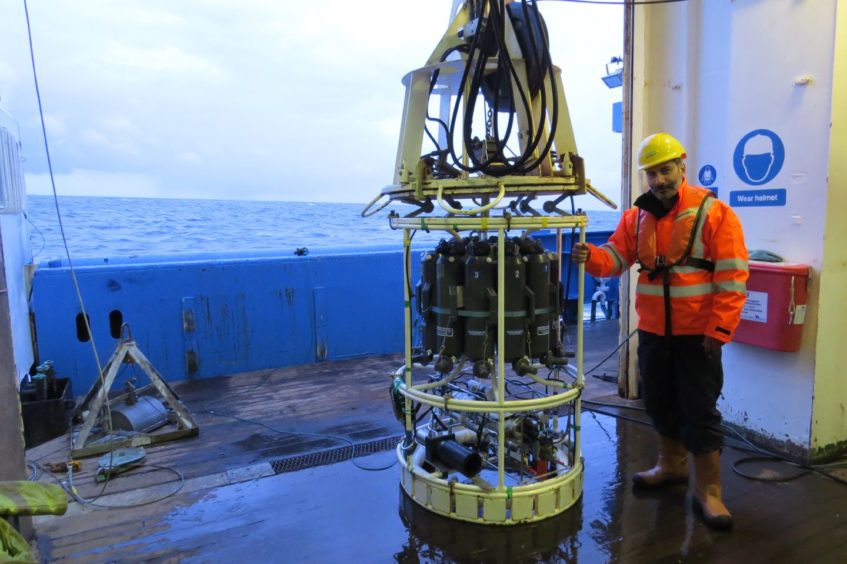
x=233 y=506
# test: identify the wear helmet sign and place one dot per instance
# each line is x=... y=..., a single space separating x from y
x=758 y=157
x=757 y=160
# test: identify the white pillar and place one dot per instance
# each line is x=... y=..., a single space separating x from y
x=12 y=464
x=829 y=410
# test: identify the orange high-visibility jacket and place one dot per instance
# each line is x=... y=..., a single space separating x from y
x=697 y=266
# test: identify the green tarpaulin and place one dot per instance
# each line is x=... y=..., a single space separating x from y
x=25 y=498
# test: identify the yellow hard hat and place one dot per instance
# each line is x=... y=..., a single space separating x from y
x=657 y=149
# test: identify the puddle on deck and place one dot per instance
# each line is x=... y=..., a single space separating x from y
x=340 y=513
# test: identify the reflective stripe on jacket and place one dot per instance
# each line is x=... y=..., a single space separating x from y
x=703 y=301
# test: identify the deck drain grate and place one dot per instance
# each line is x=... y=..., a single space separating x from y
x=333 y=455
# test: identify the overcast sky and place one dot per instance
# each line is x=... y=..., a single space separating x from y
x=259 y=100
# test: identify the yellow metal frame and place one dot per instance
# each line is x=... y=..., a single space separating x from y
x=410 y=174
x=503 y=505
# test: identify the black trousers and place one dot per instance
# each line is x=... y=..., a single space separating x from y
x=681 y=386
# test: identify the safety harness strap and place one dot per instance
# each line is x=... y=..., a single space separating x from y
x=684 y=260
x=705 y=264
x=666 y=286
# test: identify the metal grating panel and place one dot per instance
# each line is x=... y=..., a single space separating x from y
x=333 y=455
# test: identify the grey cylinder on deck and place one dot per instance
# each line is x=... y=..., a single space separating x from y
x=144 y=416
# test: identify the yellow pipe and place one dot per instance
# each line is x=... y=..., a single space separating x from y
x=580 y=377
x=551 y=383
x=464 y=223
x=454 y=234
x=457 y=371
x=558 y=331
x=367 y=213
x=501 y=361
x=407 y=325
x=450 y=209
x=490 y=406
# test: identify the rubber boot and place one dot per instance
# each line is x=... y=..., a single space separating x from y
x=671 y=467
x=707 y=501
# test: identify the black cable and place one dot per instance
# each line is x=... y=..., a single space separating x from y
x=826 y=474
x=622 y=343
x=605 y=432
x=304 y=434
x=750 y=459
x=615 y=405
x=422 y=415
x=501 y=141
x=71 y=489
x=408 y=264
x=761 y=454
x=545 y=56
x=567 y=285
x=534 y=393
x=480 y=428
x=432 y=82
x=34 y=470
x=619 y=416
x=451 y=129
x=439 y=421
x=40 y=234
x=493 y=33
x=535 y=133
x=262 y=381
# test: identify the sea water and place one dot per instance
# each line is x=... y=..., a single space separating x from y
x=100 y=227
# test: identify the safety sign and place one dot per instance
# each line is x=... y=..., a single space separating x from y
x=756 y=307
x=758 y=157
x=742 y=198
x=707 y=175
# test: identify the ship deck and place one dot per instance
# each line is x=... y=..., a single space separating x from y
x=262 y=484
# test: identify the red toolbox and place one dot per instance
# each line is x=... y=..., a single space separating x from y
x=775 y=311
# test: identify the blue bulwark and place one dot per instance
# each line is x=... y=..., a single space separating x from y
x=200 y=318
x=749 y=198
x=617 y=117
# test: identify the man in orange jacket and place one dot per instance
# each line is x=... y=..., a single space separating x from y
x=691 y=288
